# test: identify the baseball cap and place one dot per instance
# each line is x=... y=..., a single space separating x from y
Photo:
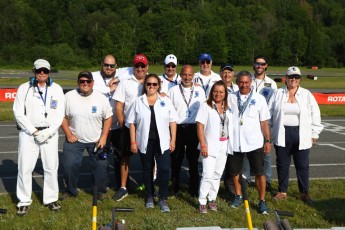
x=140 y=58
x=170 y=59
x=41 y=63
x=205 y=57
x=86 y=74
x=226 y=66
x=293 y=70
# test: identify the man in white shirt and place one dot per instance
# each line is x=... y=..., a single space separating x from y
x=126 y=93
x=206 y=77
x=186 y=98
x=39 y=110
x=106 y=81
x=87 y=121
x=251 y=137
x=266 y=87
x=169 y=78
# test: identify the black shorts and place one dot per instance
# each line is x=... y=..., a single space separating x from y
x=126 y=142
x=256 y=162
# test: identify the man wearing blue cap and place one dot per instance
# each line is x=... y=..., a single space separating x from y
x=206 y=77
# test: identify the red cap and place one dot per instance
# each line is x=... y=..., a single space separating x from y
x=140 y=58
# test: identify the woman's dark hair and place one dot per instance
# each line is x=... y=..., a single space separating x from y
x=210 y=99
x=154 y=76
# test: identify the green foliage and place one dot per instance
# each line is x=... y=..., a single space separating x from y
x=291 y=32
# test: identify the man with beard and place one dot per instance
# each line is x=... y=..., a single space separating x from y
x=106 y=81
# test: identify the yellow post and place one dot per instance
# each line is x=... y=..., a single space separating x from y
x=249 y=218
x=94 y=217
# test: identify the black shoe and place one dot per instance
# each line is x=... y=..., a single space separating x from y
x=54 y=206
x=66 y=195
x=22 y=210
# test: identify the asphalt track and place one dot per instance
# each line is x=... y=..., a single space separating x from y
x=327 y=159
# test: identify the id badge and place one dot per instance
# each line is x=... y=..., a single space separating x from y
x=187 y=114
x=53 y=104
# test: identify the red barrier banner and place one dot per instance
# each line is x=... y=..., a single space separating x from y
x=330 y=98
x=7 y=94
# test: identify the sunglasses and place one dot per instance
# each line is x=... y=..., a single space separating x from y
x=151 y=84
x=294 y=76
x=205 y=61
x=257 y=64
x=109 y=65
x=140 y=65
x=83 y=81
x=45 y=70
x=172 y=66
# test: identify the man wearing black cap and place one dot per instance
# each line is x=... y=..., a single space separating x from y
x=227 y=74
x=39 y=110
x=88 y=117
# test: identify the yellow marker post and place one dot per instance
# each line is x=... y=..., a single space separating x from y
x=94 y=209
x=249 y=218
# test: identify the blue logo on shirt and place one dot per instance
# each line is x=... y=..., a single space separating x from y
x=196 y=93
x=94 y=109
x=162 y=103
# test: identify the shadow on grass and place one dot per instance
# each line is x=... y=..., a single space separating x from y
x=332 y=210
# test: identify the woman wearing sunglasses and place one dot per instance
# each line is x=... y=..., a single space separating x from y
x=152 y=125
x=214 y=128
x=296 y=125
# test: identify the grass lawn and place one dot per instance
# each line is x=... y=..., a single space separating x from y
x=327 y=211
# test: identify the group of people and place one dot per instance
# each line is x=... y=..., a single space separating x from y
x=203 y=116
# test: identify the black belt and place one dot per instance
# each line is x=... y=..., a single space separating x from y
x=41 y=128
x=186 y=125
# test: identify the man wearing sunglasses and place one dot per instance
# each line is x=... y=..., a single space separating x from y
x=39 y=110
x=169 y=78
x=206 y=77
x=87 y=121
x=264 y=85
x=106 y=81
x=125 y=94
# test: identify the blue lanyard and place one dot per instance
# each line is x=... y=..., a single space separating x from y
x=43 y=99
x=172 y=81
x=242 y=106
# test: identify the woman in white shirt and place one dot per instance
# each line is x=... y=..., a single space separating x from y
x=296 y=125
x=214 y=128
x=152 y=123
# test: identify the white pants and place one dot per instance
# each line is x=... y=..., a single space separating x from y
x=213 y=167
x=28 y=152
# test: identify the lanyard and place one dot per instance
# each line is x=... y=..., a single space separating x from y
x=172 y=81
x=105 y=83
x=242 y=106
x=205 y=87
x=43 y=99
x=222 y=120
x=256 y=84
x=230 y=89
x=184 y=97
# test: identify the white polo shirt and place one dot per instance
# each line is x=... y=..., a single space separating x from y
x=206 y=82
x=167 y=84
x=265 y=87
x=310 y=120
x=187 y=116
x=209 y=117
x=140 y=115
x=102 y=85
x=127 y=91
x=248 y=136
x=85 y=115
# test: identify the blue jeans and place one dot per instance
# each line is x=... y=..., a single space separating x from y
x=163 y=169
x=71 y=162
x=300 y=158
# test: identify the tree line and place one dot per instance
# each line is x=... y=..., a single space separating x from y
x=78 y=33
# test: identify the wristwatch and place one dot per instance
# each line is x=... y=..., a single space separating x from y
x=269 y=141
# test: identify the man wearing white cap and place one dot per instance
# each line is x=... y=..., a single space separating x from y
x=39 y=110
x=169 y=78
x=206 y=77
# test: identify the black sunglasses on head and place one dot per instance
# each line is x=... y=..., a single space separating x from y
x=45 y=70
